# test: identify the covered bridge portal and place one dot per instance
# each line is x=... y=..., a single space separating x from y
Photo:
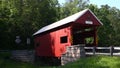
x=52 y=40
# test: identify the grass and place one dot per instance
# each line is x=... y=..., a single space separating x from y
x=89 y=62
x=95 y=62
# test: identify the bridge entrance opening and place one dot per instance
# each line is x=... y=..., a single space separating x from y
x=84 y=34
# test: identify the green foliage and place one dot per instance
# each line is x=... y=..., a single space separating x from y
x=23 y=18
x=95 y=62
x=109 y=32
x=72 y=6
x=89 y=40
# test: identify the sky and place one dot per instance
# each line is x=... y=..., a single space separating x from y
x=111 y=3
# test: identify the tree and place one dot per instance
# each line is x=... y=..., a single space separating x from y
x=72 y=6
x=114 y=18
x=109 y=32
x=4 y=25
x=26 y=16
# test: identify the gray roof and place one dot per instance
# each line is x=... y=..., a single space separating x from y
x=64 y=21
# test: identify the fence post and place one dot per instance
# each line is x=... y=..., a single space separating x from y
x=82 y=50
x=111 y=50
x=93 y=50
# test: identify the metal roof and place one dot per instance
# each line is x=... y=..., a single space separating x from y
x=64 y=21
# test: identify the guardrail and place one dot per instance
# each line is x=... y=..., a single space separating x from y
x=105 y=51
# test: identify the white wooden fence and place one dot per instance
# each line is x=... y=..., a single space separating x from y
x=112 y=51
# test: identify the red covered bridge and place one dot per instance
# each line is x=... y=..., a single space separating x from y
x=52 y=40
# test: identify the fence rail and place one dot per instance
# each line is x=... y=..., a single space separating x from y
x=105 y=51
